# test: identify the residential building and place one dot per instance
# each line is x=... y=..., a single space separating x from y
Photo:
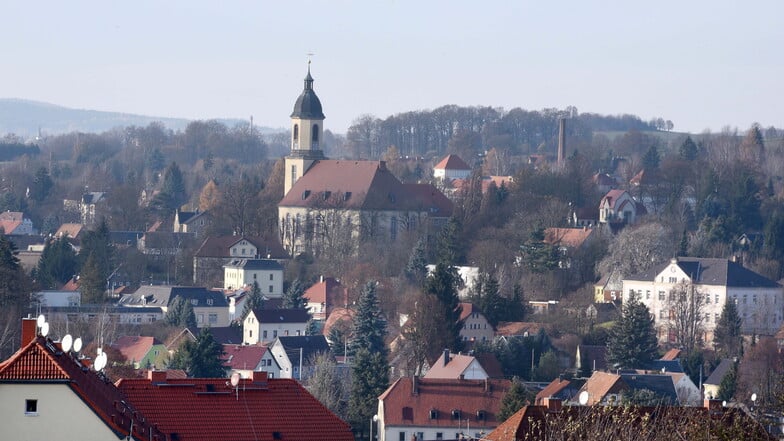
x=609 y=288
x=52 y=298
x=72 y=231
x=619 y=207
x=265 y=325
x=759 y=300
x=610 y=389
x=332 y=204
x=476 y=327
x=439 y=409
x=451 y=167
x=247 y=359
x=164 y=243
x=92 y=207
x=14 y=222
x=142 y=352
x=113 y=314
x=457 y=367
x=296 y=356
x=267 y=273
x=210 y=307
x=195 y=222
x=712 y=384
x=323 y=297
x=215 y=252
x=564 y=390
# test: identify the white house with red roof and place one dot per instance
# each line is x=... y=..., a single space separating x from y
x=439 y=409
x=451 y=167
x=619 y=207
x=247 y=359
x=456 y=367
x=323 y=297
x=476 y=327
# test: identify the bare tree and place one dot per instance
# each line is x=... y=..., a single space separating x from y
x=686 y=306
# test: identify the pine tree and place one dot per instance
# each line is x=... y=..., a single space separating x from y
x=187 y=316
x=254 y=301
x=42 y=185
x=539 y=256
x=174 y=311
x=14 y=283
x=337 y=340
x=651 y=159
x=728 y=384
x=92 y=281
x=449 y=247
x=727 y=337
x=441 y=285
x=200 y=358
x=416 y=268
x=489 y=299
x=369 y=379
x=370 y=326
x=58 y=263
x=294 y=297
x=688 y=150
x=515 y=399
x=632 y=343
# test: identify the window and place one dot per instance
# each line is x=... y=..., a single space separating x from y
x=272 y=276
x=250 y=333
x=707 y=318
x=707 y=298
x=661 y=295
x=315 y=134
x=401 y=436
x=716 y=297
x=647 y=294
x=673 y=280
x=31 y=407
x=296 y=132
x=274 y=334
x=393 y=228
x=286 y=332
x=439 y=435
x=209 y=302
x=270 y=288
x=195 y=302
x=264 y=334
x=297 y=332
x=716 y=317
x=213 y=318
x=744 y=298
x=200 y=318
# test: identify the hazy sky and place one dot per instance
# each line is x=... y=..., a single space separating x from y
x=702 y=64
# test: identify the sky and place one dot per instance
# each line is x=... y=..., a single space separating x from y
x=702 y=64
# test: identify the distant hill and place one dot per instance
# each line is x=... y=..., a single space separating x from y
x=24 y=118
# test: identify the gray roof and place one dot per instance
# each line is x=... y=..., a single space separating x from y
x=255 y=264
x=711 y=271
x=661 y=385
x=668 y=366
x=308 y=104
x=720 y=372
x=281 y=315
x=148 y=295
x=310 y=344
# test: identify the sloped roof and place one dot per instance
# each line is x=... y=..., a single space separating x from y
x=282 y=315
x=220 y=246
x=243 y=357
x=134 y=347
x=209 y=409
x=466 y=309
x=599 y=385
x=661 y=365
x=720 y=372
x=611 y=198
x=311 y=345
x=42 y=361
x=328 y=291
x=338 y=315
x=8 y=226
x=512 y=329
x=455 y=366
x=404 y=407
x=308 y=104
x=661 y=385
x=672 y=354
x=362 y=185
x=568 y=237
x=452 y=162
x=72 y=230
x=490 y=364
x=162 y=296
x=559 y=388
x=225 y=335
x=593 y=353
x=712 y=271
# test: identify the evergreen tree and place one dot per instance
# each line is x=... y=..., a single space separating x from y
x=688 y=150
x=92 y=281
x=14 y=283
x=728 y=384
x=254 y=301
x=727 y=338
x=58 y=263
x=370 y=326
x=369 y=379
x=538 y=256
x=97 y=244
x=187 y=316
x=441 y=285
x=651 y=159
x=449 y=247
x=200 y=358
x=337 y=340
x=172 y=194
x=42 y=185
x=174 y=311
x=488 y=298
x=416 y=268
x=548 y=368
x=294 y=297
x=327 y=386
x=632 y=343
x=515 y=399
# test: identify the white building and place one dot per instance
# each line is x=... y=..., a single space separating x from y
x=760 y=301
x=267 y=273
x=265 y=325
x=451 y=167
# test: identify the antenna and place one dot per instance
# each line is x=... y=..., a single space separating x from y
x=67 y=343
x=77 y=344
x=583 y=398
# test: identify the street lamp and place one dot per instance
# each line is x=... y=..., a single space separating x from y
x=372 y=420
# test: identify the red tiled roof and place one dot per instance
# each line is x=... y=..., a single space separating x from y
x=611 y=197
x=330 y=292
x=466 y=309
x=452 y=162
x=599 y=385
x=71 y=285
x=243 y=357
x=510 y=329
x=198 y=409
x=403 y=407
x=568 y=237
x=134 y=347
x=9 y=226
x=454 y=368
x=72 y=230
x=551 y=390
x=672 y=354
x=338 y=315
x=40 y=361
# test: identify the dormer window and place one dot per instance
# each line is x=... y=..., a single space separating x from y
x=195 y=302
x=455 y=414
x=433 y=414
x=209 y=302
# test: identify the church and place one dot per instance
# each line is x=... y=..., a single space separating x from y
x=330 y=206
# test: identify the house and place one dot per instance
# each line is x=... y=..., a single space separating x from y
x=14 y=222
x=92 y=207
x=569 y=241
x=142 y=352
x=336 y=203
x=296 y=356
x=604 y=182
x=564 y=390
x=451 y=167
x=72 y=231
x=591 y=358
x=456 y=367
x=323 y=297
x=113 y=314
x=712 y=384
x=475 y=328
x=601 y=312
x=608 y=388
x=47 y=393
x=439 y=409
x=164 y=243
x=759 y=300
x=195 y=222
x=519 y=329
x=343 y=320
x=609 y=288
x=267 y=273
x=245 y=360
x=265 y=325
x=215 y=252
x=618 y=207
x=210 y=307
x=257 y=408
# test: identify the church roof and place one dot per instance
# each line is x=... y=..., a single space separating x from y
x=308 y=104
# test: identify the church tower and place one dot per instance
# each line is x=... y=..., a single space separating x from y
x=307 y=127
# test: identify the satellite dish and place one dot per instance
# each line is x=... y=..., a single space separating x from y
x=77 y=344
x=753 y=397
x=583 y=398
x=67 y=343
x=100 y=361
x=724 y=403
x=235 y=379
x=40 y=321
x=45 y=329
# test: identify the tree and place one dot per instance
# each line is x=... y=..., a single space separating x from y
x=632 y=343
x=727 y=338
x=728 y=384
x=294 y=297
x=180 y=313
x=636 y=249
x=210 y=196
x=370 y=325
x=449 y=247
x=200 y=358
x=548 y=368
x=515 y=399
x=752 y=149
x=58 y=263
x=172 y=194
x=688 y=150
x=14 y=283
x=651 y=159
x=42 y=185
x=254 y=301
x=441 y=285
x=416 y=268
x=538 y=256
x=369 y=379
x=326 y=385
x=92 y=281
x=687 y=306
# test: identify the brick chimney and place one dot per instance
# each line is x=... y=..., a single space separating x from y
x=714 y=406
x=259 y=376
x=553 y=404
x=29 y=330
x=156 y=377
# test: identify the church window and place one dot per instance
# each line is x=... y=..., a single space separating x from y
x=296 y=132
x=315 y=134
x=293 y=173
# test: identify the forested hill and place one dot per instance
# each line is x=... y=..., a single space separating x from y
x=24 y=118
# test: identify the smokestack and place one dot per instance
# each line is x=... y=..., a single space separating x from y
x=561 y=141
x=29 y=328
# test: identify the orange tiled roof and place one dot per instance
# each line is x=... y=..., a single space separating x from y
x=672 y=354
x=568 y=237
x=452 y=162
x=134 y=347
x=243 y=356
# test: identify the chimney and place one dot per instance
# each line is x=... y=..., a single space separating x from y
x=29 y=330
x=156 y=377
x=414 y=385
x=446 y=357
x=713 y=406
x=553 y=404
x=259 y=376
x=561 y=141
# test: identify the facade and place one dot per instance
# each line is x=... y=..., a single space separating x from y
x=328 y=206
x=215 y=252
x=438 y=409
x=664 y=288
x=247 y=359
x=619 y=207
x=14 y=222
x=52 y=298
x=296 y=356
x=457 y=367
x=265 y=325
x=195 y=222
x=210 y=307
x=476 y=328
x=323 y=297
x=451 y=167
x=267 y=273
